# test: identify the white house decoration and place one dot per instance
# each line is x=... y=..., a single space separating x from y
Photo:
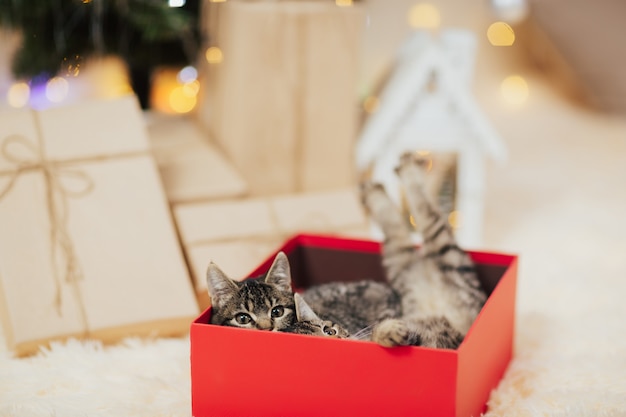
x=427 y=106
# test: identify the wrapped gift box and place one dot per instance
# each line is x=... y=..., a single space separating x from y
x=191 y=166
x=239 y=234
x=88 y=246
x=318 y=376
x=283 y=100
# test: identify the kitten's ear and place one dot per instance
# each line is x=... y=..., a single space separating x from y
x=221 y=288
x=279 y=273
x=303 y=311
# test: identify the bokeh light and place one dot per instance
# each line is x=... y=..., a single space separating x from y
x=514 y=90
x=500 y=34
x=343 y=3
x=57 y=89
x=187 y=74
x=72 y=65
x=424 y=16
x=370 y=104
x=180 y=101
x=454 y=219
x=18 y=95
x=192 y=88
x=214 y=55
x=170 y=95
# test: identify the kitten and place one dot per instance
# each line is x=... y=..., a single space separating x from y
x=264 y=302
x=309 y=323
x=431 y=298
x=357 y=306
x=439 y=289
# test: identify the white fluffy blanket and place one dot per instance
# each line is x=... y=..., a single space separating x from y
x=559 y=202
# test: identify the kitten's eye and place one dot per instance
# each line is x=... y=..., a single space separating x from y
x=243 y=318
x=329 y=331
x=278 y=311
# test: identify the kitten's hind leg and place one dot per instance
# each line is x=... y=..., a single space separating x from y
x=398 y=248
x=434 y=332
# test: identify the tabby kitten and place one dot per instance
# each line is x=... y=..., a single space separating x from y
x=357 y=306
x=264 y=303
x=309 y=323
x=438 y=286
x=431 y=297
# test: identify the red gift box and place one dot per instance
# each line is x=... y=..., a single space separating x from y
x=241 y=372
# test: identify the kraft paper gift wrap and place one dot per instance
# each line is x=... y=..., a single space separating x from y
x=88 y=246
x=238 y=234
x=283 y=101
x=192 y=168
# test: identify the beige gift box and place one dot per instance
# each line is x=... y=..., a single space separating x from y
x=88 y=246
x=282 y=103
x=239 y=234
x=191 y=167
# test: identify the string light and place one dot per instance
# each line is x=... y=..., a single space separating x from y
x=424 y=16
x=57 y=89
x=370 y=104
x=192 y=88
x=214 y=55
x=454 y=219
x=176 y=3
x=72 y=65
x=180 y=101
x=514 y=90
x=187 y=74
x=18 y=95
x=174 y=91
x=500 y=34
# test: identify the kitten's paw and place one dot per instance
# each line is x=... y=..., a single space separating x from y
x=391 y=332
x=437 y=332
x=412 y=164
x=369 y=192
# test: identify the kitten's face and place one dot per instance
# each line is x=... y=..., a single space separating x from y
x=309 y=323
x=264 y=303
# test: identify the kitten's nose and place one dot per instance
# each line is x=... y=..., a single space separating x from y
x=264 y=323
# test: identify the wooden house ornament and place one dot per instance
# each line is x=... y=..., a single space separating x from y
x=427 y=106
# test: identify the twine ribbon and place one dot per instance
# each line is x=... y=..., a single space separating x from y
x=56 y=204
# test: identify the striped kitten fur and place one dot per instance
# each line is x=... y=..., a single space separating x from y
x=309 y=323
x=437 y=283
x=264 y=303
x=431 y=297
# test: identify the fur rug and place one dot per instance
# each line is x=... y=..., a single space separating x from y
x=559 y=202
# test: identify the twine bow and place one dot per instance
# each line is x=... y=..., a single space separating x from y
x=56 y=203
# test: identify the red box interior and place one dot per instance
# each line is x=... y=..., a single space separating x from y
x=240 y=372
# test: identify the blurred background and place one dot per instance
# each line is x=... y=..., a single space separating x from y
x=520 y=103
